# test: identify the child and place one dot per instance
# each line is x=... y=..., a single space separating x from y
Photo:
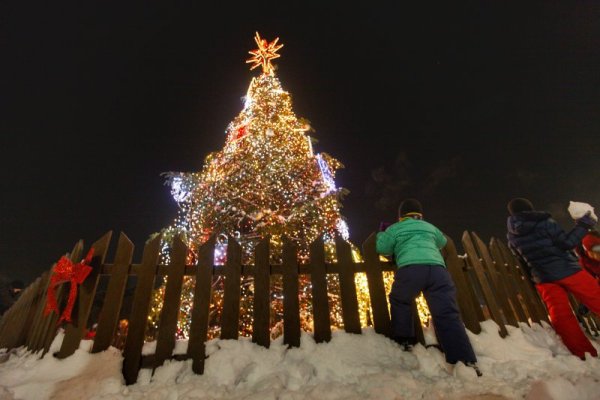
x=416 y=247
x=546 y=249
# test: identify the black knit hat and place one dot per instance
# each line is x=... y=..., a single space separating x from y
x=518 y=205
x=410 y=206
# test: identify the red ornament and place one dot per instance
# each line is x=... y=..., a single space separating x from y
x=241 y=132
x=66 y=271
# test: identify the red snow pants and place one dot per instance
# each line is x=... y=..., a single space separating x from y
x=555 y=295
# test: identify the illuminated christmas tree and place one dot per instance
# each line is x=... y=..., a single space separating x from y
x=267 y=180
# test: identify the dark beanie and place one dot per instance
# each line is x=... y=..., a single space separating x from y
x=518 y=205
x=410 y=206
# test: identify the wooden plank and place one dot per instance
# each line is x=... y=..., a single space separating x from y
x=291 y=300
x=109 y=314
x=506 y=274
x=320 y=301
x=12 y=324
x=485 y=286
x=201 y=308
x=39 y=303
x=350 y=313
x=467 y=303
x=532 y=298
x=27 y=310
x=38 y=319
x=262 y=311
x=132 y=354
x=230 y=316
x=51 y=323
x=495 y=281
x=165 y=343
x=8 y=328
x=75 y=330
x=520 y=281
x=377 y=294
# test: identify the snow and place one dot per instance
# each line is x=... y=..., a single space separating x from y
x=530 y=363
x=578 y=209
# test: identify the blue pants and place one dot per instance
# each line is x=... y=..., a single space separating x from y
x=436 y=284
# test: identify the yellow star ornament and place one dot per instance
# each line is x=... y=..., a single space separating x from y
x=264 y=54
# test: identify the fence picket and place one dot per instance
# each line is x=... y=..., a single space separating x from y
x=50 y=326
x=109 y=315
x=495 y=281
x=27 y=309
x=230 y=316
x=350 y=314
x=291 y=302
x=38 y=308
x=75 y=330
x=488 y=294
x=132 y=354
x=466 y=301
x=377 y=294
x=262 y=311
x=511 y=285
x=320 y=300
x=532 y=298
x=201 y=307
x=165 y=343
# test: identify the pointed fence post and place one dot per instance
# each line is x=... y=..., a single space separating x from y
x=165 y=342
x=75 y=330
x=466 y=302
x=36 y=308
x=347 y=286
x=377 y=294
x=291 y=302
x=318 y=278
x=132 y=354
x=50 y=326
x=38 y=318
x=14 y=320
x=506 y=274
x=201 y=308
x=536 y=308
x=496 y=282
x=262 y=279
x=488 y=293
x=230 y=316
x=109 y=315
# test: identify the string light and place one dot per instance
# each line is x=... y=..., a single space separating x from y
x=266 y=181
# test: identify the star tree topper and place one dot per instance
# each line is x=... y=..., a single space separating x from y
x=264 y=54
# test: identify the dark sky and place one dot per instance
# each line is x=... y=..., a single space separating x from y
x=462 y=106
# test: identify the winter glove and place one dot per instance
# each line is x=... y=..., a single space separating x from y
x=586 y=221
x=383 y=226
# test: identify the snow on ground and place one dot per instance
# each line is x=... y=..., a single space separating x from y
x=531 y=363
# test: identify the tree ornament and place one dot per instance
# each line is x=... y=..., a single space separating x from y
x=264 y=54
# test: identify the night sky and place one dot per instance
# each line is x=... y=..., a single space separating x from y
x=463 y=107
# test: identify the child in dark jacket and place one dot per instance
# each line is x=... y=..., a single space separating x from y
x=547 y=250
x=416 y=246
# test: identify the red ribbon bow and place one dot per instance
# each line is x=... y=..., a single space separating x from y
x=65 y=271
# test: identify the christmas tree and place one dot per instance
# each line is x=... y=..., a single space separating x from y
x=266 y=181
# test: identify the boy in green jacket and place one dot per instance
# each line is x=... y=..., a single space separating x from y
x=416 y=246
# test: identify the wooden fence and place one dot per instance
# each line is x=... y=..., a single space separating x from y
x=489 y=279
